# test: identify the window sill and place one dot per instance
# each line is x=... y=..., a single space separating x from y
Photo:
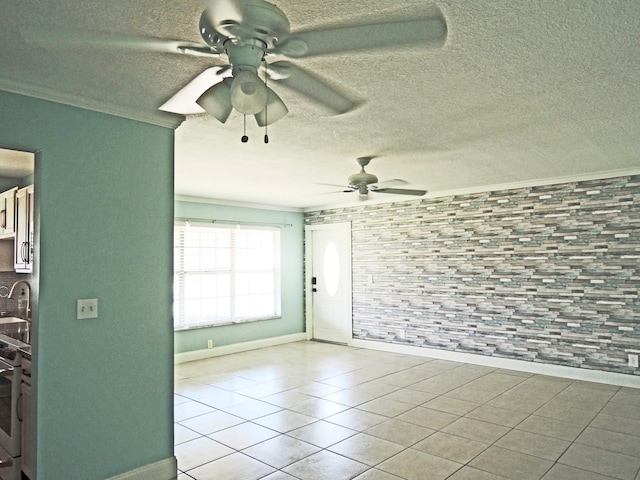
x=224 y=323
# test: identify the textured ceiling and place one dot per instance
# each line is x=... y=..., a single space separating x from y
x=522 y=92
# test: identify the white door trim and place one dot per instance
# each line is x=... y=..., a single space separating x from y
x=308 y=258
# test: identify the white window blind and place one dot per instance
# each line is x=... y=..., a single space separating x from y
x=225 y=274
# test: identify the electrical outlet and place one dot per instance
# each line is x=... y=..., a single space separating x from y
x=633 y=360
x=209 y=343
x=87 y=308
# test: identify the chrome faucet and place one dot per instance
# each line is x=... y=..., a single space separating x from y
x=28 y=310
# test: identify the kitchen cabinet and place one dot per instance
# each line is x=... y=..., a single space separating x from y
x=23 y=247
x=8 y=213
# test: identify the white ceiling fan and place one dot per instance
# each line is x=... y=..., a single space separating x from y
x=252 y=32
x=364 y=182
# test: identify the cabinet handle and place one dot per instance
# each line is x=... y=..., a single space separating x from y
x=3 y=217
x=6 y=463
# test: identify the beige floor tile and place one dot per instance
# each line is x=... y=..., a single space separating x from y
x=386 y=407
x=356 y=419
x=402 y=433
x=448 y=404
x=501 y=416
x=487 y=387
x=281 y=451
x=287 y=399
x=551 y=427
x=318 y=408
x=407 y=395
x=451 y=447
x=375 y=474
x=565 y=472
x=182 y=434
x=285 y=421
x=608 y=440
x=482 y=432
x=190 y=409
x=276 y=476
x=470 y=473
x=600 y=461
x=511 y=464
x=212 y=422
x=325 y=465
x=325 y=411
x=233 y=467
x=428 y=418
x=615 y=423
x=533 y=444
x=412 y=464
x=243 y=435
x=366 y=449
x=198 y=452
x=252 y=409
x=322 y=434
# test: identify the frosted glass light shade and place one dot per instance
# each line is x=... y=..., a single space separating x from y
x=274 y=111
x=248 y=93
x=217 y=100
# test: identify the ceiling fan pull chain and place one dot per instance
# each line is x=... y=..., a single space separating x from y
x=245 y=139
x=266 y=107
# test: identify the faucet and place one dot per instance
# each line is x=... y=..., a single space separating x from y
x=28 y=312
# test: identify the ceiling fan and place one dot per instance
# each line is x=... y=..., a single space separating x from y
x=249 y=32
x=364 y=182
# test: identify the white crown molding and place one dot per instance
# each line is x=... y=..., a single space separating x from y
x=232 y=203
x=158 y=118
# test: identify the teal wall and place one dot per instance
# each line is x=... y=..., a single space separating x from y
x=105 y=197
x=291 y=241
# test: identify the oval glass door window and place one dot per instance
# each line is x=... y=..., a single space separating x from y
x=331 y=268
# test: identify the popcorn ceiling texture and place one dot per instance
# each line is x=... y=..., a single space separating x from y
x=546 y=274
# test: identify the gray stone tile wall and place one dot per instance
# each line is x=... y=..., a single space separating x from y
x=546 y=274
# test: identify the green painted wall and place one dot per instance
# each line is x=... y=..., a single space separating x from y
x=291 y=238
x=105 y=197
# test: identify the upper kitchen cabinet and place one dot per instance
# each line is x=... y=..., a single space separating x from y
x=8 y=213
x=23 y=255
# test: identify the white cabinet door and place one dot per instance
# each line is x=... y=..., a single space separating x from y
x=23 y=254
x=7 y=212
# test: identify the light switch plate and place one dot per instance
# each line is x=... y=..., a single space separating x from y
x=87 y=308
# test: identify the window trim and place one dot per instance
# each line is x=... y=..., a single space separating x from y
x=231 y=227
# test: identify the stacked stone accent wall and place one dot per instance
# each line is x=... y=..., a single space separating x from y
x=545 y=274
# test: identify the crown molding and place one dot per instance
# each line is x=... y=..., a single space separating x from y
x=158 y=118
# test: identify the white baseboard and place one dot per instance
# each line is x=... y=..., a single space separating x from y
x=236 y=348
x=598 y=376
x=166 y=469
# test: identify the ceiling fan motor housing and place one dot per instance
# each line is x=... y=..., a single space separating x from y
x=250 y=19
x=362 y=179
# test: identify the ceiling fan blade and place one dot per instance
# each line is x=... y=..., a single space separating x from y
x=429 y=29
x=81 y=40
x=184 y=101
x=399 y=191
x=343 y=188
x=311 y=86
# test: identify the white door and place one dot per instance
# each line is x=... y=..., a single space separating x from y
x=329 y=282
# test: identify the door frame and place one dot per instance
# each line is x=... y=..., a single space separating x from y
x=345 y=229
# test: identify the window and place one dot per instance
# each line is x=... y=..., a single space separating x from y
x=225 y=274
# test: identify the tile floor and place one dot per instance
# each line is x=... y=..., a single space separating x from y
x=314 y=411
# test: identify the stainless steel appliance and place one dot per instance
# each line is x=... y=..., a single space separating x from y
x=10 y=397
